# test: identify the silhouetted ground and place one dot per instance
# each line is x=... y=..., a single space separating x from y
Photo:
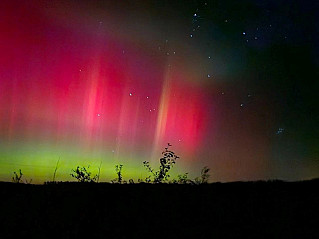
x=248 y=210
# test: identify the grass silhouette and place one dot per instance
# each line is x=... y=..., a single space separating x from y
x=56 y=168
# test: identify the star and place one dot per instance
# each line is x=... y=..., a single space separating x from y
x=131 y=94
x=98 y=115
x=241 y=105
x=244 y=33
x=208 y=76
x=280 y=130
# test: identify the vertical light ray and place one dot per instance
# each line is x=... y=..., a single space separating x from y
x=133 y=126
x=91 y=105
x=162 y=114
x=13 y=111
x=122 y=120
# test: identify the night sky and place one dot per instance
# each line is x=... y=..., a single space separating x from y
x=232 y=85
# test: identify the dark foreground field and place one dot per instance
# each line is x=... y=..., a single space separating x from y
x=219 y=210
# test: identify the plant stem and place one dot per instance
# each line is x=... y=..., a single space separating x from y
x=56 y=168
x=98 y=176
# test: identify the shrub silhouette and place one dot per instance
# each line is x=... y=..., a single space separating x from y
x=166 y=163
x=17 y=178
x=183 y=179
x=83 y=175
x=203 y=177
x=118 y=170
